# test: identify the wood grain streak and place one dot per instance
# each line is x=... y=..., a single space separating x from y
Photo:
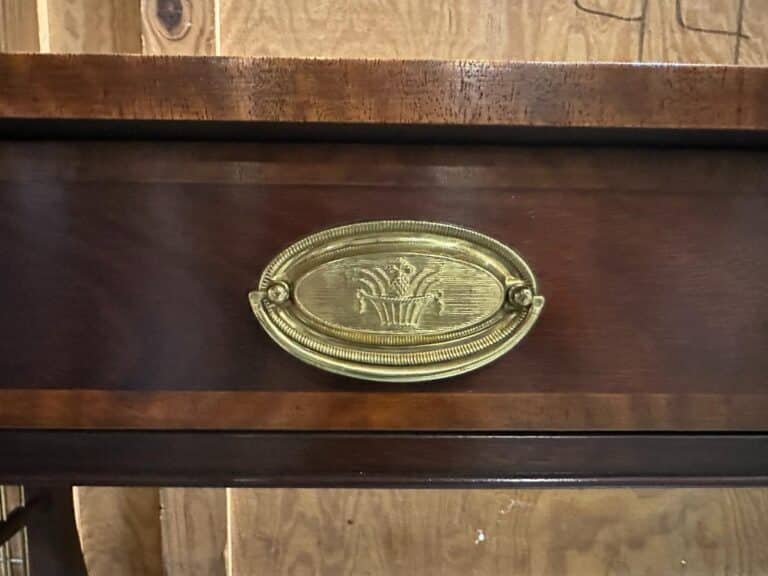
x=194 y=531
x=178 y=27
x=94 y=26
x=18 y=26
x=521 y=532
x=120 y=530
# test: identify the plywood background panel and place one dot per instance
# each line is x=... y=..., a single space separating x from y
x=521 y=532
x=339 y=28
x=440 y=532
x=417 y=29
x=194 y=531
x=703 y=31
x=179 y=27
x=94 y=26
x=120 y=530
x=753 y=50
x=153 y=531
x=18 y=26
x=581 y=30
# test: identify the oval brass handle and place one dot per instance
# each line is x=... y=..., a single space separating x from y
x=397 y=301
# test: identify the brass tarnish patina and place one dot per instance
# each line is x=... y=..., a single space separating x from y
x=397 y=301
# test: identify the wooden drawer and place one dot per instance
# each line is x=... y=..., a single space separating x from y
x=129 y=262
x=132 y=263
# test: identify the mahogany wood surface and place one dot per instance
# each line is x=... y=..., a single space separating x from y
x=129 y=264
x=430 y=93
x=300 y=459
x=128 y=351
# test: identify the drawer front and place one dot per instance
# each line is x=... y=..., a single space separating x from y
x=128 y=267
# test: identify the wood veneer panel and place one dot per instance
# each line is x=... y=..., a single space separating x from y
x=363 y=410
x=383 y=92
x=652 y=280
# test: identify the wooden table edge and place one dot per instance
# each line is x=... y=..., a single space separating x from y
x=240 y=459
x=383 y=92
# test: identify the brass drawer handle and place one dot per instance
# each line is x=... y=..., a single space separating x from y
x=397 y=301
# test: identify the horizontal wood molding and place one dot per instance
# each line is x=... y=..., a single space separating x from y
x=332 y=459
x=331 y=410
x=430 y=93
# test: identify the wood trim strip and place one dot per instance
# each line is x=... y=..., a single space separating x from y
x=328 y=459
x=238 y=410
x=416 y=93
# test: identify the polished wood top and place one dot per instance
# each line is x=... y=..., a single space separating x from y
x=375 y=92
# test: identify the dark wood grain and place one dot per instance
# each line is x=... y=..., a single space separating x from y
x=383 y=92
x=130 y=265
x=336 y=459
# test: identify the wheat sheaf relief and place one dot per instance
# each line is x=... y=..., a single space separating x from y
x=399 y=293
